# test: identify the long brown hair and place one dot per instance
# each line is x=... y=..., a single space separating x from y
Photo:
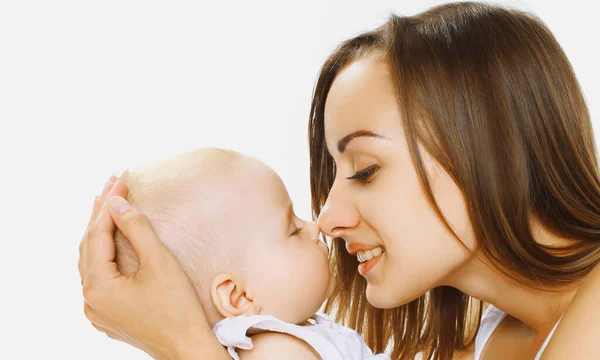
x=490 y=94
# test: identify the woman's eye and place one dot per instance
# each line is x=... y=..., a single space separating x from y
x=364 y=175
x=296 y=232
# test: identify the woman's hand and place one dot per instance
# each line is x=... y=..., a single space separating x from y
x=578 y=334
x=156 y=308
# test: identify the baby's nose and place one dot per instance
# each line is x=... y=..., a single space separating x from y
x=313 y=230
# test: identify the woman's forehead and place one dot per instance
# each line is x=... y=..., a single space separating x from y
x=363 y=78
x=361 y=98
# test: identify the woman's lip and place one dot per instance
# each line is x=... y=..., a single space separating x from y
x=355 y=248
x=365 y=267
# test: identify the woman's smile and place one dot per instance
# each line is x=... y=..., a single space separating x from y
x=365 y=266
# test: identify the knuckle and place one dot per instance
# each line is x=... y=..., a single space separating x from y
x=80 y=268
x=91 y=232
x=89 y=292
x=89 y=313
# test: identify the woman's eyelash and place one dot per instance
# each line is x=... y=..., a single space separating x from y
x=296 y=232
x=364 y=174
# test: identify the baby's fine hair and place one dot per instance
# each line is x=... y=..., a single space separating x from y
x=187 y=201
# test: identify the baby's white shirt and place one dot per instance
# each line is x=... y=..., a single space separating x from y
x=329 y=339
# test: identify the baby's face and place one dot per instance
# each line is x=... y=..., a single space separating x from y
x=286 y=266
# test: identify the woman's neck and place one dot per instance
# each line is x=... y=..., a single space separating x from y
x=538 y=308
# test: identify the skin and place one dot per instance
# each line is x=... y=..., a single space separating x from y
x=285 y=271
x=264 y=260
x=388 y=208
x=119 y=305
x=285 y=268
x=115 y=303
x=576 y=336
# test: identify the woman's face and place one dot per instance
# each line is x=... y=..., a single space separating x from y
x=377 y=201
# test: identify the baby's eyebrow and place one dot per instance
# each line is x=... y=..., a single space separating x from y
x=287 y=214
x=290 y=212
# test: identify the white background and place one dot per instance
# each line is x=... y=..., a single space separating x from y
x=88 y=88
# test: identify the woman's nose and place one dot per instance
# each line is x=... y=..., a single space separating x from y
x=338 y=215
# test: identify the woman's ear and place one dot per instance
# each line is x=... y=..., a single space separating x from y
x=230 y=298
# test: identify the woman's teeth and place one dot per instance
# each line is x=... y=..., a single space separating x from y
x=369 y=254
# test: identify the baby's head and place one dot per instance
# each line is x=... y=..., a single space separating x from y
x=229 y=221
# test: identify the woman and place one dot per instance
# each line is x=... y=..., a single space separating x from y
x=458 y=142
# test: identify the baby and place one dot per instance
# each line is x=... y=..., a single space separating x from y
x=260 y=272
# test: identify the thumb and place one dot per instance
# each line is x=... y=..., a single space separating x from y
x=138 y=230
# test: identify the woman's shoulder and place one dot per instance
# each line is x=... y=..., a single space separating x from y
x=578 y=333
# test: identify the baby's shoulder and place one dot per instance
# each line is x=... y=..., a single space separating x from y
x=273 y=345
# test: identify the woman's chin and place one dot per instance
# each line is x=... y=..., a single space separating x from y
x=383 y=298
x=378 y=297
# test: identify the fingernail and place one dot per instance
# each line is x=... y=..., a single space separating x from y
x=113 y=179
x=125 y=174
x=111 y=193
x=118 y=204
x=106 y=187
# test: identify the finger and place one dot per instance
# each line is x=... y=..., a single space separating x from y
x=100 y=326
x=103 y=227
x=116 y=336
x=89 y=313
x=90 y=222
x=100 y=244
x=100 y=247
x=80 y=266
x=83 y=243
x=97 y=206
x=120 y=186
x=138 y=230
x=95 y=210
x=108 y=332
x=100 y=199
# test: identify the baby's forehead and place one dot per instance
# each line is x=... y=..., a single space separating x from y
x=260 y=178
x=258 y=188
x=215 y=180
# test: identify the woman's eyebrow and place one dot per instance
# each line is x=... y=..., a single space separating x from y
x=343 y=143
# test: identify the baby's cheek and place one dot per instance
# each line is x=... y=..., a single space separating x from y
x=282 y=289
x=291 y=282
x=310 y=283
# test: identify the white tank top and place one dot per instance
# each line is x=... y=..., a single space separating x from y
x=491 y=318
x=329 y=339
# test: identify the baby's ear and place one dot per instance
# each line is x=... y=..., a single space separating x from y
x=230 y=298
